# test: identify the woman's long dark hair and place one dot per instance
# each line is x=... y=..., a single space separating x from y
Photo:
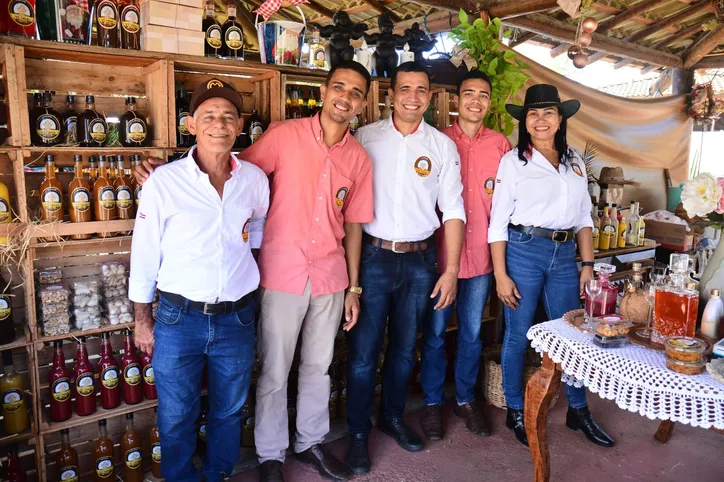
x=525 y=145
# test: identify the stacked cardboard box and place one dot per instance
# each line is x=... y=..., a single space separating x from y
x=172 y=26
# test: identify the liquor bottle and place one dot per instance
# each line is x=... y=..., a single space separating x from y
x=317 y=52
x=312 y=105
x=131 y=368
x=104 y=197
x=712 y=316
x=605 y=302
x=631 y=227
x=85 y=388
x=91 y=126
x=137 y=187
x=596 y=231
x=59 y=381
x=15 y=413
x=70 y=118
x=295 y=110
x=183 y=136
x=133 y=127
x=21 y=21
x=104 y=15
x=123 y=192
x=154 y=440
x=105 y=470
x=613 y=212
x=79 y=192
x=149 y=381
x=109 y=375
x=675 y=306
x=6 y=214
x=641 y=226
x=47 y=129
x=212 y=32
x=621 y=233
x=112 y=168
x=130 y=16
x=7 y=327
x=386 y=112
x=51 y=193
x=288 y=103
x=14 y=471
x=66 y=460
x=233 y=35
x=201 y=429
x=607 y=230
x=256 y=126
x=92 y=170
x=131 y=450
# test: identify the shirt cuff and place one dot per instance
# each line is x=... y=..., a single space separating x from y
x=141 y=291
x=497 y=235
x=458 y=213
x=585 y=225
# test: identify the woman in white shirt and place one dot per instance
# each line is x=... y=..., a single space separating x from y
x=541 y=207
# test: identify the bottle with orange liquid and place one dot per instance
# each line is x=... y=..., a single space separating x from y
x=675 y=305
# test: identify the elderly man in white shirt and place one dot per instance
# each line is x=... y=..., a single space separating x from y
x=197 y=224
x=416 y=169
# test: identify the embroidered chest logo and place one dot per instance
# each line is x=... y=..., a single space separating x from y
x=340 y=196
x=577 y=169
x=489 y=186
x=423 y=166
x=245 y=231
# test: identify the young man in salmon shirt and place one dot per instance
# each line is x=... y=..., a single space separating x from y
x=321 y=194
x=480 y=151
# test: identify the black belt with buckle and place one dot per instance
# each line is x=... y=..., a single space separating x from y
x=221 y=308
x=398 y=246
x=556 y=235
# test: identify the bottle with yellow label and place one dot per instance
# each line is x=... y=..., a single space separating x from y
x=607 y=231
x=15 y=413
x=595 y=232
x=641 y=227
x=622 y=233
x=103 y=454
x=66 y=460
x=6 y=215
x=51 y=193
x=104 y=197
x=79 y=191
x=613 y=212
x=131 y=450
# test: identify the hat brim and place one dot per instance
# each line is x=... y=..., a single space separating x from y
x=566 y=108
x=232 y=97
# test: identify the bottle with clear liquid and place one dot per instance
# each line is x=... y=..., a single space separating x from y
x=603 y=303
x=632 y=228
x=317 y=52
x=675 y=305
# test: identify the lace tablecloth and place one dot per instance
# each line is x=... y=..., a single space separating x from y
x=635 y=377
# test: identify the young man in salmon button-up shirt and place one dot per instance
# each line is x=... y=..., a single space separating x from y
x=321 y=185
x=480 y=151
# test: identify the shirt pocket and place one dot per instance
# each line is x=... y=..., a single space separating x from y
x=486 y=186
x=340 y=187
x=244 y=220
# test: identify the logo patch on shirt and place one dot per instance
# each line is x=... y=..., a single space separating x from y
x=339 y=197
x=489 y=186
x=423 y=166
x=245 y=231
x=577 y=169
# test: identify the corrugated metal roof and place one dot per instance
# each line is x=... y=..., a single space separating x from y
x=646 y=87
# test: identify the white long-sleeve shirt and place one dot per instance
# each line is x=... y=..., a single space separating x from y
x=411 y=175
x=189 y=241
x=535 y=194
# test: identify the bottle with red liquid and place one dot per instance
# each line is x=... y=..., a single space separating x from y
x=109 y=375
x=131 y=368
x=85 y=388
x=13 y=470
x=59 y=381
x=604 y=303
x=149 y=381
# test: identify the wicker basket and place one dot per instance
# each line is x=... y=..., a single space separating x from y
x=493 y=387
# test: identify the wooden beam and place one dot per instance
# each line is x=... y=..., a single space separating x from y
x=320 y=9
x=381 y=8
x=562 y=31
x=682 y=81
x=601 y=8
x=715 y=61
x=676 y=18
x=629 y=14
x=522 y=38
x=682 y=35
x=705 y=45
x=648 y=69
x=496 y=8
x=560 y=49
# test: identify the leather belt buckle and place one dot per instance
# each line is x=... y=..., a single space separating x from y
x=560 y=236
x=394 y=246
x=208 y=309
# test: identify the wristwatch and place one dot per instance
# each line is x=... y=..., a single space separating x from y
x=587 y=263
x=356 y=290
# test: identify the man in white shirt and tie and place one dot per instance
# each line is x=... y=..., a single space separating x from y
x=416 y=169
x=197 y=224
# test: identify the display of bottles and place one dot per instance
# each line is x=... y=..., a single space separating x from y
x=154 y=440
x=105 y=464
x=131 y=369
x=14 y=471
x=256 y=126
x=133 y=128
x=66 y=460
x=201 y=428
x=386 y=112
x=15 y=413
x=675 y=305
x=92 y=171
x=317 y=52
x=712 y=316
x=105 y=17
x=46 y=126
x=51 y=193
x=137 y=187
x=7 y=326
x=183 y=136
x=123 y=192
x=233 y=35
x=621 y=233
x=20 y=20
x=85 y=388
x=130 y=16
x=607 y=231
x=60 y=388
x=604 y=303
x=91 y=126
x=6 y=213
x=104 y=196
x=212 y=32
x=70 y=119
x=595 y=232
x=109 y=375
x=79 y=192
x=131 y=450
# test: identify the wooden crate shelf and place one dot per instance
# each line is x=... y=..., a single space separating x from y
x=77 y=421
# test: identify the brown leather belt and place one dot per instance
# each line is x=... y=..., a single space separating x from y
x=398 y=246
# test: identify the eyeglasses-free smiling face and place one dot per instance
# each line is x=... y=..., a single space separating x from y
x=474 y=100
x=344 y=97
x=411 y=96
x=542 y=124
x=216 y=125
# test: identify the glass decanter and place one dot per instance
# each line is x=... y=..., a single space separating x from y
x=604 y=303
x=676 y=305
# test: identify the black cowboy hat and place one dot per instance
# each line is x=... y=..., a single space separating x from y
x=544 y=95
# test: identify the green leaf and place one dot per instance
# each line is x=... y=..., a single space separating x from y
x=507 y=33
x=496 y=21
x=492 y=66
x=478 y=23
x=509 y=54
x=463 y=16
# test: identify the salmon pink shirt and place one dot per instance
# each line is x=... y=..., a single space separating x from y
x=314 y=190
x=479 y=160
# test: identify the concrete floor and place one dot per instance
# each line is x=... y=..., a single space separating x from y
x=691 y=455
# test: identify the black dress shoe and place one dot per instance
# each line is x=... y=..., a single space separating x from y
x=581 y=419
x=516 y=422
x=397 y=429
x=358 y=458
x=432 y=423
x=271 y=471
x=327 y=464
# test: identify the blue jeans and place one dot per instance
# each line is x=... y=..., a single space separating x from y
x=538 y=267
x=397 y=286
x=471 y=298
x=184 y=339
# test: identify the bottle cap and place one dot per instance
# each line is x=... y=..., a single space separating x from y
x=92 y=159
x=130 y=100
x=102 y=423
x=69 y=99
x=90 y=99
x=65 y=431
x=129 y=416
x=49 y=158
x=37 y=97
x=58 y=344
x=78 y=158
x=716 y=292
x=47 y=96
x=111 y=159
x=102 y=158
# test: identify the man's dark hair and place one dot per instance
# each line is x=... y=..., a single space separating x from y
x=474 y=74
x=354 y=66
x=408 y=67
